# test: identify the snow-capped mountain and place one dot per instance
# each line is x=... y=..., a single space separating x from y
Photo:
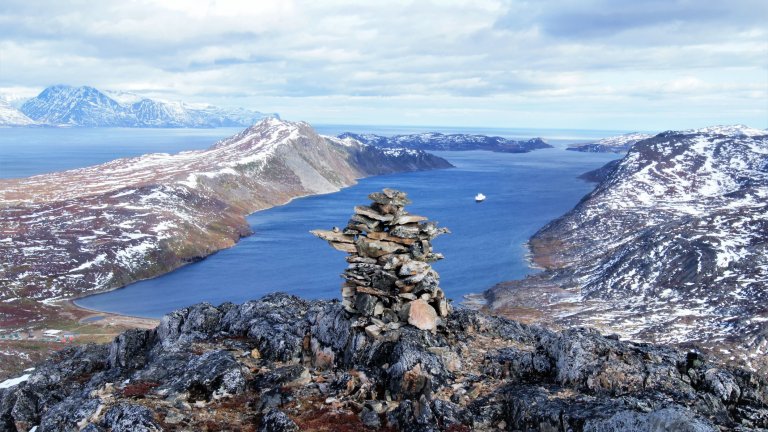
x=77 y=106
x=672 y=246
x=89 y=107
x=614 y=144
x=102 y=227
x=436 y=141
x=10 y=116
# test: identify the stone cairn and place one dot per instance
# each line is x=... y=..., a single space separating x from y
x=389 y=281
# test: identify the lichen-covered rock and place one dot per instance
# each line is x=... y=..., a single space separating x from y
x=277 y=421
x=129 y=349
x=130 y=418
x=68 y=415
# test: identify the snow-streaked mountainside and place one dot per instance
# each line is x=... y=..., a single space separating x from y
x=102 y=227
x=614 y=144
x=672 y=246
x=449 y=142
x=10 y=116
x=88 y=107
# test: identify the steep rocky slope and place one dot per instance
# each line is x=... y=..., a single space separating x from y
x=449 y=142
x=671 y=246
x=63 y=105
x=102 y=227
x=282 y=363
x=615 y=144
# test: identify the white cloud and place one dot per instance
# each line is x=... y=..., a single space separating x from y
x=477 y=62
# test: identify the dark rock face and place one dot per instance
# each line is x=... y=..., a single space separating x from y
x=670 y=247
x=283 y=364
x=449 y=142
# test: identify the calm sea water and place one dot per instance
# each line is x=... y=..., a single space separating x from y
x=525 y=191
x=486 y=245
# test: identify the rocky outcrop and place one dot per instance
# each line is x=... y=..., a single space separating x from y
x=671 y=246
x=436 y=141
x=102 y=227
x=284 y=364
x=389 y=281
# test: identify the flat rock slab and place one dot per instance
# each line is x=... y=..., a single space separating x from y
x=407 y=219
x=421 y=315
x=377 y=248
x=373 y=214
x=333 y=236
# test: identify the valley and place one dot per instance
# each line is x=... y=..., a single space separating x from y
x=92 y=229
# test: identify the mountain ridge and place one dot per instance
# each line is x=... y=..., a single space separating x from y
x=669 y=247
x=63 y=105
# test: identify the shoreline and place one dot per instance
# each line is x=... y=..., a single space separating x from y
x=71 y=301
x=288 y=201
x=142 y=322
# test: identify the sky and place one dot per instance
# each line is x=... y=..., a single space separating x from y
x=646 y=65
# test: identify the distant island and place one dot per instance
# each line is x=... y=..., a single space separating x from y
x=435 y=141
x=68 y=106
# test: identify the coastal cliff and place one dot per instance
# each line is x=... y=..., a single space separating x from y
x=94 y=229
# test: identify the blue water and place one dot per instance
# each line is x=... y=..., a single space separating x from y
x=30 y=151
x=486 y=246
x=525 y=191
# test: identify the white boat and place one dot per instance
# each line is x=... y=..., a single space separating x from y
x=479 y=197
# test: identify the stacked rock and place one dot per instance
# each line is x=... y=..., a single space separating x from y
x=389 y=281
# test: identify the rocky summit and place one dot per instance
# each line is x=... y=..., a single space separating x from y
x=285 y=364
x=389 y=281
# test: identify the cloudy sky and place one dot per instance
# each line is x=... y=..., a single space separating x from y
x=588 y=64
